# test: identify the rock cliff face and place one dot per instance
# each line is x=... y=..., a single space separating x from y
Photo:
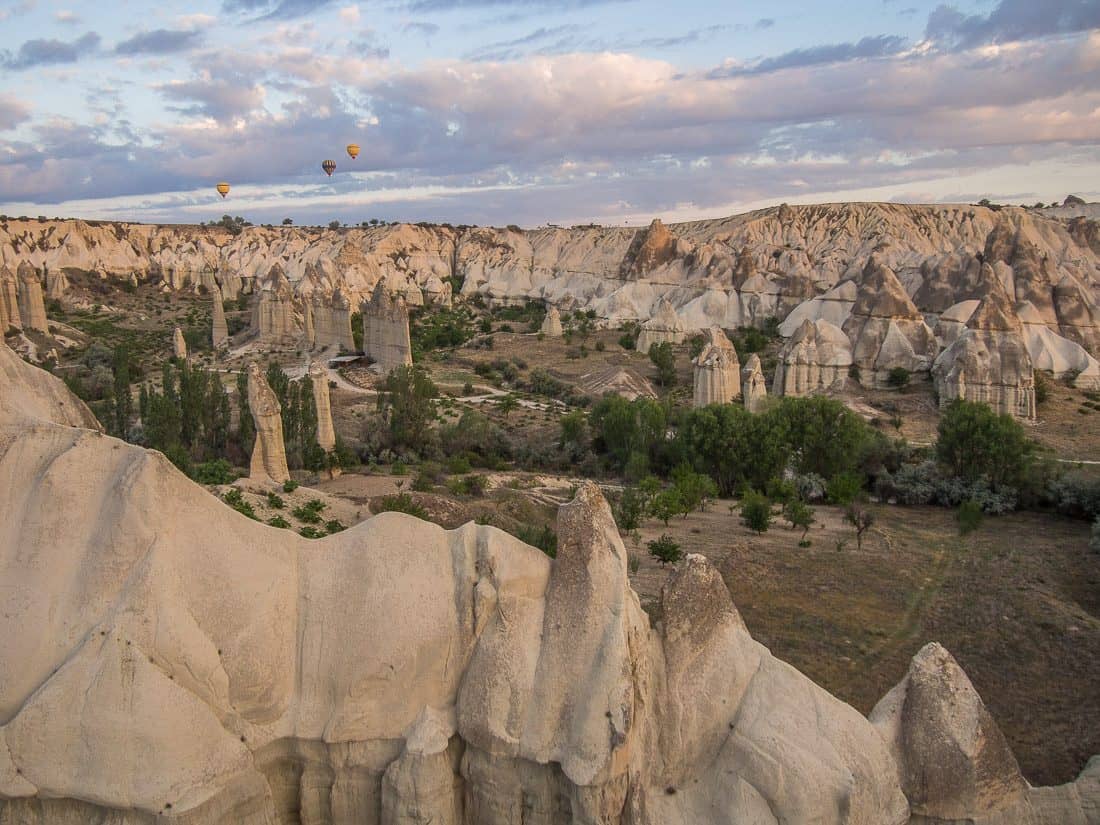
x=754 y=387
x=731 y=272
x=269 y=453
x=396 y=672
x=717 y=371
x=32 y=309
x=816 y=358
x=331 y=320
x=386 y=330
x=886 y=328
x=989 y=361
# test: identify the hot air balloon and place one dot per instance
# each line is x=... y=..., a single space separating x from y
x=223 y=188
x=329 y=166
x=353 y=150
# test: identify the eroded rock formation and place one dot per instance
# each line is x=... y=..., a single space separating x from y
x=386 y=330
x=331 y=321
x=817 y=357
x=754 y=388
x=326 y=435
x=32 y=309
x=273 y=312
x=717 y=370
x=886 y=329
x=269 y=452
x=179 y=345
x=9 y=301
x=664 y=326
x=551 y=324
x=219 y=333
x=989 y=361
x=397 y=673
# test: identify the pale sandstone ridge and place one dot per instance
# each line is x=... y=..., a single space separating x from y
x=551 y=324
x=886 y=329
x=386 y=330
x=9 y=301
x=326 y=435
x=815 y=359
x=179 y=345
x=219 y=332
x=269 y=452
x=989 y=361
x=32 y=309
x=717 y=371
x=399 y=673
x=754 y=387
x=954 y=762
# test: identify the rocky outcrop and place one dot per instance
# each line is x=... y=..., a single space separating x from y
x=717 y=371
x=386 y=330
x=9 y=301
x=960 y=276
x=664 y=326
x=551 y=324
x=650 y=249
x=954 y=762
x=437 y=292
x=269 y=452
x=885 y=328
x=989 y=361
x=621 y=381
x=326 y=435
x=816 y=358
x=219 y=332
x=32 y=309
x=754 y=388
x=331 y=321
x=273 y=311
x=396 y=672
x=57 y=284
x=1052 y=353
x=179 y=345
x=1078 y=314
x=835 y=306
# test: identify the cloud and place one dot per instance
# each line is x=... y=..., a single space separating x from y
x=349 y=15
x=66 y=17
x=160 y=41
x=528 y=5
x=1012 y=20
x=564 y=36
x=13 y=112
x=420 y=27
x=765 y=23
x=276 y=9
x=17 y=9
x=50 y=52
x=882 y=45
x=222 y=97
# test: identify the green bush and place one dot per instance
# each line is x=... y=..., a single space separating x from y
x=665 y=550
x=665 y=361
x=235 y=500
x=630 y=509
x=756 y=512
x=627 y=341
x=334 y=526
x=311 y=533
x=310 y=512
x=976 y=443
x=799 y=515
x=969 y=516
x=843 y=488
x=218 y=471
x=666 y=504
x=544 y=538
x=290 y=485
x=402 y=503
x=898 y=377
x=279 y=521
x=275 y=501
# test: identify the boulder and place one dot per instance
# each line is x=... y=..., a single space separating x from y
x=885 y=328
x=989 y=361
x=269 y=452
x=816 y=358
x=754 y=388
x=717 y=370
x=551 y=323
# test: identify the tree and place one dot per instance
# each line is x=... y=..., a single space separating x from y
x=898 y=377
x=861 y=519
x=574 y=429
x=824 y=436
x=334 y=224
x=665 y=361
x=621 y=428
x=734 y=447
x=692 y=488
x=408 y=400
x=976 y=443
x=288 y=221
x=799 y=515
x=507 y=405
x=665 y=504
x=969 y=516
x=756 y=512
x=246 y=427
x=665 y=550
x=123 y=399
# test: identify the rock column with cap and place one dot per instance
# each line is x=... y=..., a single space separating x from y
x=9 y=301
x=32 y=309
x=386 y=330
x=717 y=376
x=326 y=435
x=179 y=345
x=219 y=335
x=551 y=324
x=269 y=452
x=754 y=389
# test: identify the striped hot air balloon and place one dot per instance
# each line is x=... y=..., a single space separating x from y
x=353 y=150
x=223 y=188
x=329 y=166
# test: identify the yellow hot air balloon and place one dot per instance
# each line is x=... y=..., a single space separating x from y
x=223 y=188
x=353 y=150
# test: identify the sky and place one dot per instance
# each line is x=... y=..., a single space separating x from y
x=540 y=111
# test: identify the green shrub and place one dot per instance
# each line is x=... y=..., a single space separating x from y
x=290 y=485
x=458 y=465
x=627 y=340
x=275 y=501
x=402 y=503
x=665 y=550
x=843 y=488
x=218 y=471
x=666 y=504
x=969 y=516
x=279 y=521
x=334 y=526
x=630 y=509
x=311 y=533
x=976 y=443
x=310 y=512
x=756 y=512
x=800 y=516
x=898 y=377
x=237 y=501
x=544 y=538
